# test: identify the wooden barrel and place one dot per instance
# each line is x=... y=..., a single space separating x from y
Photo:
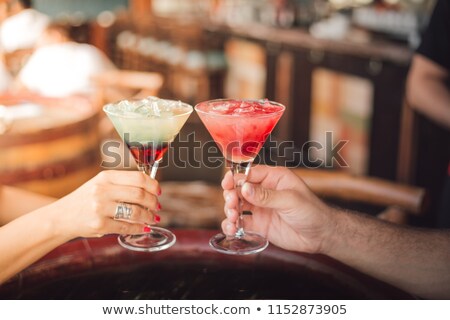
x=52 y=153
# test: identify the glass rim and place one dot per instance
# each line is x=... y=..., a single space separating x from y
x=283 y=108
x=184 y=104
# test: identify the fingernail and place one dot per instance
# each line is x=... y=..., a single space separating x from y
x=157 y=218
x=147 y=229
x=159 y=192
x=248 y=189
x=158 y=207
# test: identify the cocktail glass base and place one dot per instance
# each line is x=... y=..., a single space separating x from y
x=249 y=243
x=156 y=240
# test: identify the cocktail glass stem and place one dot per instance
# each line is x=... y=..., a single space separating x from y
x=150 y=170
x=242 y=242
x=158 y=238
x=240 y=172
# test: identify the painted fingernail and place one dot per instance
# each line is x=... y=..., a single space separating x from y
x=158 y=207
x=147 y=229
x=159 y=192
x=157 y=218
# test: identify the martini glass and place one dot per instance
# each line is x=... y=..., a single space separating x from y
x=240 y=128
x=147 y=127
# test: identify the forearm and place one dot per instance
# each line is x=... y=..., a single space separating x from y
x=15 y=202
x=26 y=239
x=415 y=260
x=432 y=99
x=427 y=91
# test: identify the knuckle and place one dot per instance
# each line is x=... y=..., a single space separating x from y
x=141 y=195
x=96 y=207
x=128 y=228
x=97 y=224
x=103 y=175
x=223 y=225
x=224 y=181
x=279 y=170
x=137 y=213
x=225 y=210
x=264 y=195
x=141 y=179
x=96 y=190
x=123 y=228
x=153 y=202
x=227 y=195
x=147 y=216
x=146 y=181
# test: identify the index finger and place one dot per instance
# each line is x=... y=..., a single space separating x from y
x=267 y=176
x=257 y=174
x=132 y=179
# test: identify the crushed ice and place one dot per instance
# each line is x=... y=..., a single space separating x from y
x=148 y=107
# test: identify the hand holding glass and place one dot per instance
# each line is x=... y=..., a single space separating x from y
x=147 y=127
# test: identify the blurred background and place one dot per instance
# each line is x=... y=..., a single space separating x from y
x=339 y=66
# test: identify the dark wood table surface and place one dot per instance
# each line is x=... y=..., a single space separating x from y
x=102 y=269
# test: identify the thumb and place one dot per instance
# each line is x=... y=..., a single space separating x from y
x=267 y=198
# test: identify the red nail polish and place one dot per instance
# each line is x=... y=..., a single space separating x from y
x=158 y=207
x=159 y=192
x=147 y=229
x=157 y=218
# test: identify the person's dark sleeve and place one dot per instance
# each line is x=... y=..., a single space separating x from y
x=436 y=39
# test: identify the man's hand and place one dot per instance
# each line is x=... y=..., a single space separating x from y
x=283 y=209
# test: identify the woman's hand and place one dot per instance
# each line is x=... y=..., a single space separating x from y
x=89 y=211
x=283 y=209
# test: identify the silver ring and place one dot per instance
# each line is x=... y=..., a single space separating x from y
x=123 y=211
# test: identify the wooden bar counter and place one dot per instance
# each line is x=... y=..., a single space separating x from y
x=102 y=269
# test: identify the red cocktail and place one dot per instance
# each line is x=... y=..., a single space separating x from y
x=240 y=128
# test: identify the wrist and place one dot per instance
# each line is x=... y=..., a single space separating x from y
x=51 y=218
x=330 y=236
